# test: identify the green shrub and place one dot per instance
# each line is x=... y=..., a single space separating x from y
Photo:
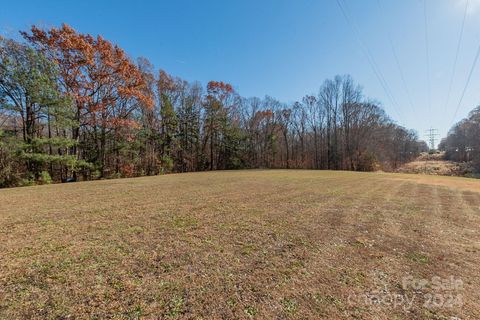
x=45 y=178
x=8 y=177
x=26 y=182
x=167 y=164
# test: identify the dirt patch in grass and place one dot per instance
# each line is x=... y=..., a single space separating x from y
x=254 y=244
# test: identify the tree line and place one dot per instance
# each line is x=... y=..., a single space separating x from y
x=74 y=106
x=462 y=143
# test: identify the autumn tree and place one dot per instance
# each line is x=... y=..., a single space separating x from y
x=189 y=128
x=148 y=136
x=169 y=94
x=105 y=85
x=218 y=102
x=75 y=105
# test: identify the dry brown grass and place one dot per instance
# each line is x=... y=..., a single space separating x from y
x=432 y=167
x=435 y=164
x=245 y=244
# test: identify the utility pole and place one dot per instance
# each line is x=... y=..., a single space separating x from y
x=431 y=137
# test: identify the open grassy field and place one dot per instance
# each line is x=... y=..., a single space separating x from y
x=246 y=244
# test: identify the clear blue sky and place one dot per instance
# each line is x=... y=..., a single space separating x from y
x=286 y=49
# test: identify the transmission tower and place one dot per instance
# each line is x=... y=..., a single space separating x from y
x=432 y=137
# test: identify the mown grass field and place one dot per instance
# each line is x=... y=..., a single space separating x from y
x=236 y=245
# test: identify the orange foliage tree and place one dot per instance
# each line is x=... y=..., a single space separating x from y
x=104 y=84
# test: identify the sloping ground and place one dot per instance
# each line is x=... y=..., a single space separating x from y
x=432 y=167
x=435 y=164
x=247 y=244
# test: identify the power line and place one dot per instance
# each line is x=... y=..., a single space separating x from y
x=370 y=57
x=372 y=61
x=466 y=84
x=400 y=69
x=399 y=66
x=428 y=57
x=456 y=55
